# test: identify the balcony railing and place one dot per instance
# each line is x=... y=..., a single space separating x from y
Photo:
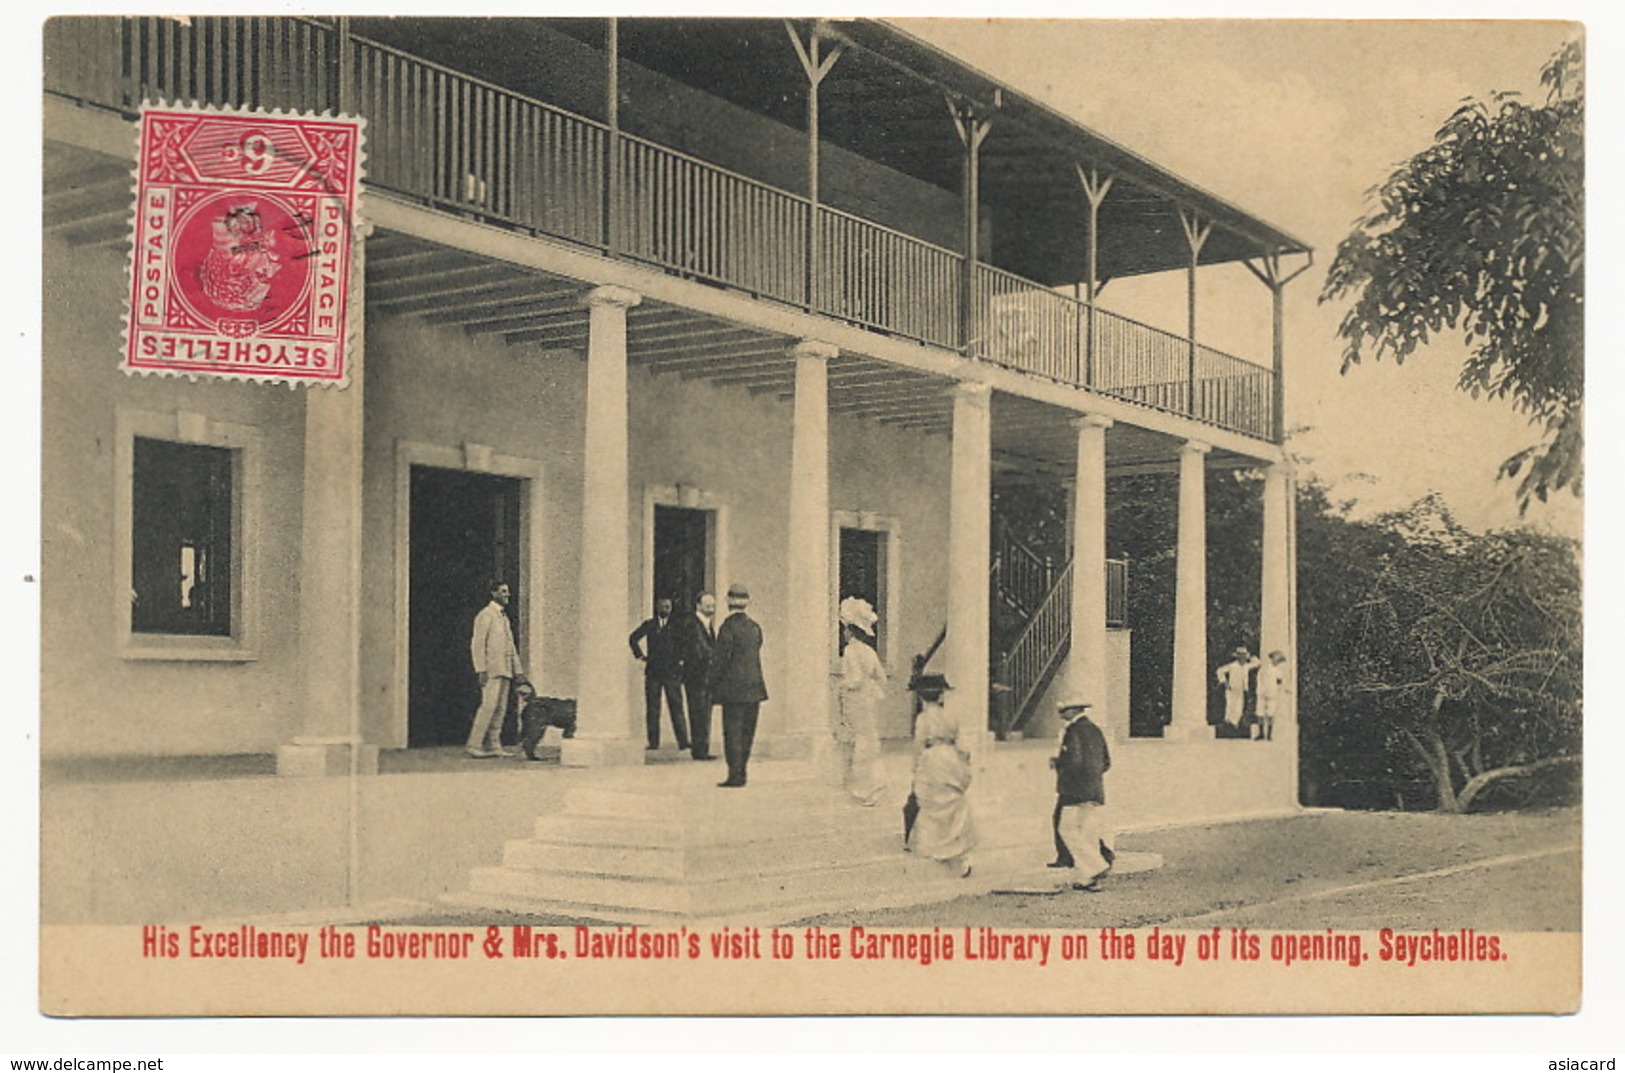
x=451 y=140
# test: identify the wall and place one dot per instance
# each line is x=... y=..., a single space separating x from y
x=903 y=475
x=152 y=707
x=742 y=456
x=1044 y=723
x=441 y=387
x=444 y=388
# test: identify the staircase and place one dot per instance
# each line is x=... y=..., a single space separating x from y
x=664 y=845
x=1039 y=595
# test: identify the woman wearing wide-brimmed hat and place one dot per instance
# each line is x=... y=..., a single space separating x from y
x=863 y=685
x=942 y=829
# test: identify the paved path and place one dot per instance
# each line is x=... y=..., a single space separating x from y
x=1348 y=870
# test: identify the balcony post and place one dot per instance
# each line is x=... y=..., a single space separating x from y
x=1197 y=231
x=342 y=73
x=817 y=68
x=1087 y=663
x=1095 y=189
x=808 y=567
x=1189 y=708
x=1268 y=271
x=972 y=126
x=612 y=139
x=970 y=489
x=609 y=733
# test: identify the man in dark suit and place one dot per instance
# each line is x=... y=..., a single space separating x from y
x=1081 y=763
x=662 y=673
x=736 y=682
x=698 y=638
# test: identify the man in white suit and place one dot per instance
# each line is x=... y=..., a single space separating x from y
x=496 y=663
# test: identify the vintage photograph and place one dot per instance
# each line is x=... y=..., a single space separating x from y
x=787 y=515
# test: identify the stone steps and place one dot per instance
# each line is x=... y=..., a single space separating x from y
x=665 y=845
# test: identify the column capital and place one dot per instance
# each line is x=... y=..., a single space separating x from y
x=1088 y=421
x=975 y=393
x=813 y=348
x=619 y=297
x=1285 y=469
x=1195 y=447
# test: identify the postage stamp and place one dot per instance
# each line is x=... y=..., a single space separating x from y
x=241 y=249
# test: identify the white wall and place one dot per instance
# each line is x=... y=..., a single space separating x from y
x=442 y=387
x=94 y=701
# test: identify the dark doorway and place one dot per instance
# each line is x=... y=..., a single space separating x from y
x=680 y=554
x=863 y=574
x=464 y=534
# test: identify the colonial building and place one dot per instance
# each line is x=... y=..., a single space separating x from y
x=645 y=307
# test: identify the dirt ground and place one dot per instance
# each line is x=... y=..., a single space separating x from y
x=1500 y=872
x=1347 y=870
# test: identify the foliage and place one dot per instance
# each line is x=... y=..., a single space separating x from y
x=1468 y=650
x=1437 y=664
x=1482 y=234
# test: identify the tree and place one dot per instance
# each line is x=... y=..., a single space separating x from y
x=1467 y=649
x=1482 y=234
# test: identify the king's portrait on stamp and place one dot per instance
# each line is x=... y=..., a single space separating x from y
x=242 y=244
x=998 y=517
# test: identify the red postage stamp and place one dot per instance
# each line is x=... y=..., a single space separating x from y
x=241 y=258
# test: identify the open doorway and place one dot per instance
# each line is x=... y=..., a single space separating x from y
x=682 y=554
x=863 y=574
x=464 y=534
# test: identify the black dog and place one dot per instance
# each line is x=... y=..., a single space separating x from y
x=536 y=714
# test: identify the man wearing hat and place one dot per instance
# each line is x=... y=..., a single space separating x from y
x=1234 y=676
x=1080 y=794
x=736 y=682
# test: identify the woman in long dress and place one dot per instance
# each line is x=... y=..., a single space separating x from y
x=863 y=685
x=943 y=830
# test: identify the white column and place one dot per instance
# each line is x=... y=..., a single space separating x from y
x=1190 y=597
x=1087 y=663
x=330 y=566
x=808 y=677
x=970 y=549
x=1275 y=603
x=609 y=722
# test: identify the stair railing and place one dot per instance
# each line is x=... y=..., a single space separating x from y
x=1031 y=661
x=1021 y=577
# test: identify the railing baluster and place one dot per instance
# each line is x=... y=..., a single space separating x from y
x=454 y=139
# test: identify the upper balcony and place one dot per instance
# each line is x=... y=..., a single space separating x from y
x=946 y=209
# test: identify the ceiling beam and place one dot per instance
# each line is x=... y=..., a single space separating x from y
x=116 y=217
x=899 y=407
x=471 y=294
x=563 y=331
x=912 y=380
x=390 y=260
x=858 y=401
x=415 y=273
x=540 y=319
x=689 y=357
x=918 y=424
x=63 y=206
x=513 y=301
x=784 y=371
x=721 y=369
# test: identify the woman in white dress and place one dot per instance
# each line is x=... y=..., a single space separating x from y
x=863 y=685
x=943 y=828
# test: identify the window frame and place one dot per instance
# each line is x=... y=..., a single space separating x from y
x=192 y=429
